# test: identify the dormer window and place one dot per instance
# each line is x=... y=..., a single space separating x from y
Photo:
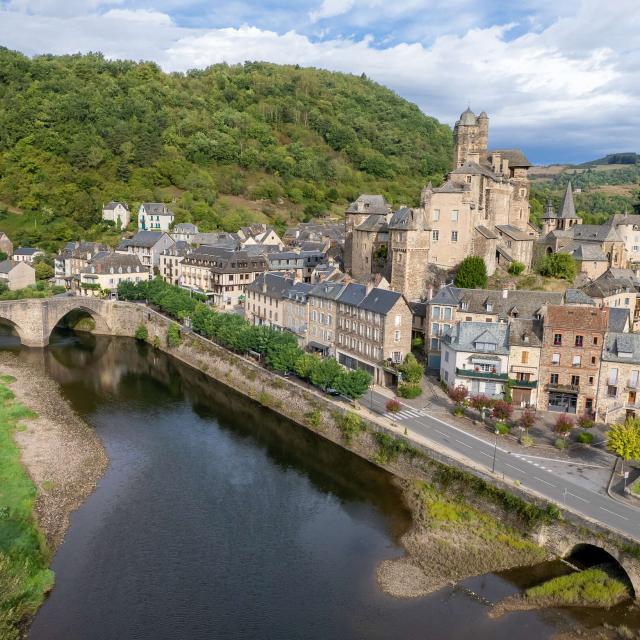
x=489 y=307
x=464 y=305
x=486 y=346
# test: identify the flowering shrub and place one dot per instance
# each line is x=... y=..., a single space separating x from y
x=563 y=425
x=458 y=394
x=393 y=405
x=502 y=410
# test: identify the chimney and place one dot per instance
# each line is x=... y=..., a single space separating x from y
x=505 y=167
x=430 y=293
x=496 y=161
x=505 y=294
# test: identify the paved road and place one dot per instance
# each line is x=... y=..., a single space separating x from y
x=533 y=473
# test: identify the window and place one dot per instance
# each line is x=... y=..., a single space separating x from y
x=454 y=236
x=447 y=313
x=612 y=392
x=613 y=376
x=555 y=358
x=398 y=320
x=593 y=359
x=595 y=340
x=576 y=361
x=557 y=339
x=435 y=329
x=397 y=336
x=435 y=344
x=579 y=340
x=397 y=356
x=446 y=356
x=525 y=357
x=633 y=379
x=590 y=379
x=435 y=235
x=455 y=214
x=436 y=215
x=435 y=313
x=554 y=378
x=575 y=380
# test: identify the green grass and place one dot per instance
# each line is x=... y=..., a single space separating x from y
x=635 y=487
x=24 y=559
x=592 y=587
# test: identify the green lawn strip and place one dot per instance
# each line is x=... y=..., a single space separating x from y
x=592 y=587
x=24 y=559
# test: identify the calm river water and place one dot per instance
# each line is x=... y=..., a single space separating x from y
x=218 y=520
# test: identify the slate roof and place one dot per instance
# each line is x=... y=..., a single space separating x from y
x=607 y=284
x=568 y=209
x=181 y=248
x=327 y=290
x=144 y=239
x=217 y=239
x=464 y=335
x=110 y=206
x=527 y=303
x=467 y=117
x=486 y=232
x=7 y=265
x=515 y=157
x=221 y=260
x=299 y=291
x=418 y=309
x=26 y=251
x=451 y=187
x=616 y=343
x=276 y=285
x=185 y=227
x=405 y=218
x=514 y=232
x=619 y=319
x=595 y=232
x=157 y=208
x=525 y=333
x=104 y=261
x=373 y=223
x=474 y=169
x=375 y=204
x=380 y=301
x=353 y=294
x=575 y=296
x=584 y=252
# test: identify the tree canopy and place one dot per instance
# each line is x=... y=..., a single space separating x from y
x=77 y=131
x=472 y=273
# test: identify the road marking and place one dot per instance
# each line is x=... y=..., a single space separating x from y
x=578 y=497
x=541 y=480
x=464 y=444
x=613 y=513
x=440 y=432
x=486 y=454
x=506 y=464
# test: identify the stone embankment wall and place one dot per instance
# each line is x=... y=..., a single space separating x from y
x=310 y=408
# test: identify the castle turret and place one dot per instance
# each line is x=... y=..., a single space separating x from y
x=470 y=136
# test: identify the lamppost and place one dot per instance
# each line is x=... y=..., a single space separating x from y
x=371 y=397
x=495 y=448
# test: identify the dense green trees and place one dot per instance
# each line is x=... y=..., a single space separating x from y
x=558 y=265
x=279 y=348
x=77 y=131
x=472 y=273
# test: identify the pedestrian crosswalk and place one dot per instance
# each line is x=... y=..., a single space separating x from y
x=405 y=414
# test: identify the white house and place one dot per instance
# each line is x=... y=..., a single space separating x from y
x=475 y=355
x=118 y=213
x=154 y=216
x=147 y=245
x=184 y=232
x=26 y=254
x=107 y=270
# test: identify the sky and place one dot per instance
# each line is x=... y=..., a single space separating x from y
x=559 y=79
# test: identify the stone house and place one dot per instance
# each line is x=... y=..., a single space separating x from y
x=290 y=262
x=475 y=355
x=296 y=310
x=74 y=257
x=221 y=274
x=525 y=343
x=107 y=269
x=515 y=245
x=118 y=213
x=572 y=342
x=27 y=254
x=259 y=234
x=619 y=388
x=184 y=232
x=616 y=288
x=373 y=332
x=451 y=305
x=323 y=322
x=628 y=228
x=147 y=245
x=16 y=275
x=6 y=246
x=154 y=216
x=170 y=262
x=419 y=320
x=265 y=297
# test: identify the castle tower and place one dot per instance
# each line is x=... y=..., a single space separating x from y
x=470 y=136
x=549 y=218
x=409 y=238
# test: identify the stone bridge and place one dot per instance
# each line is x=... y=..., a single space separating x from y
x=566 y=538
x=35 y=319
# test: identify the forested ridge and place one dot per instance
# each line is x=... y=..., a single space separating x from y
x=77 y=131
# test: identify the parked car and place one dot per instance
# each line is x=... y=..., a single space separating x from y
x=332 y=392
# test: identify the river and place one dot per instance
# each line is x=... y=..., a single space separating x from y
x=218 y=519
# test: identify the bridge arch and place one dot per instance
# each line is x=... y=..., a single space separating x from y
x=585 y=554
x=7 y=322
x=75 y=305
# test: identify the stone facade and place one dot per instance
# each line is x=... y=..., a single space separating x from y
x=570 y=358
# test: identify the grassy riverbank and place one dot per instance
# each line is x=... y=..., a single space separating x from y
x=590 y=588
x=24 y=559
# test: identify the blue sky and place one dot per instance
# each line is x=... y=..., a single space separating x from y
x=559 y=79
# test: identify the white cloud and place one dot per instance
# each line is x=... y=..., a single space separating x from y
x=331 y=8
x=569 y=87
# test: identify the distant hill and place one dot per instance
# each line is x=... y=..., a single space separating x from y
x=613 y=158
x=291 y=143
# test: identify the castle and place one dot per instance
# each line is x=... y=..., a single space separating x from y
x=482 y=209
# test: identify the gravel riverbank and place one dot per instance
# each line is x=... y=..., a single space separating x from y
x=62 y=453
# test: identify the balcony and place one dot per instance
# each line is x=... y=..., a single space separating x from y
x=523 y=384
x=481 y=375
x=565 y=388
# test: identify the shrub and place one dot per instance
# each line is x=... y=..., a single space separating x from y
x=527 y=420
x=417 y=344
x=526 y=441
x=412 y=371
x=458 y=410
x=585 y=437
x=472 y=273
x=265 y=398
x=563 y=425
x=585 y=421
x=516 y=268
x=502 y=410
x=393 y=405
x=481 y=402
x=558 y=265
x=350 y=424
x=409 y=391
x=173 y=335
x=389 y=448
x=313 y=418
x=458 y=394
x=502 y=428
x=560 y=443
x=142 y=333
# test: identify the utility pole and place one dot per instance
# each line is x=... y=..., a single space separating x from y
x=495 y=448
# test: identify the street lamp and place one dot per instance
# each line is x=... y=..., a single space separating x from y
x=371 y=397
x=495 y=447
